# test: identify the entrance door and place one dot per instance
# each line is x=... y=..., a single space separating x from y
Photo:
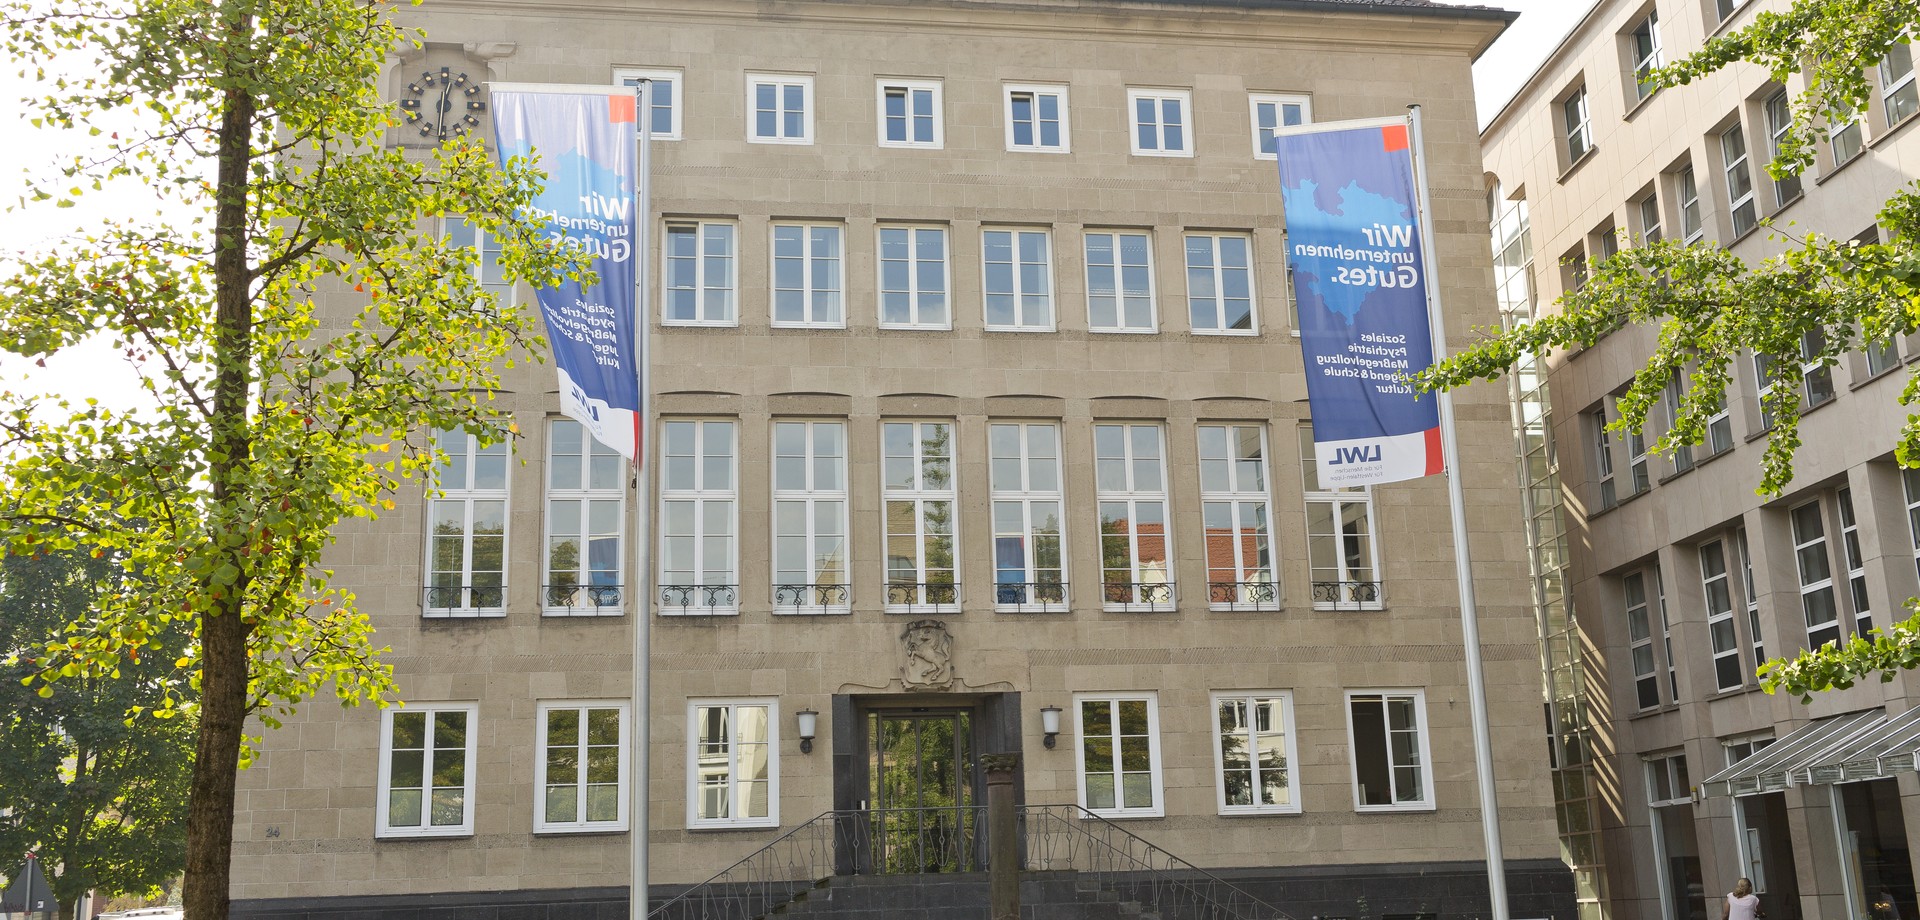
x=920 y=769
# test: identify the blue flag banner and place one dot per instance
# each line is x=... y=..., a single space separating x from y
x=583 y=137
x=1353 y=243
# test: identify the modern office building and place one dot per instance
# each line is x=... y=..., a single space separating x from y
x=981 y=429
x=1665 y=580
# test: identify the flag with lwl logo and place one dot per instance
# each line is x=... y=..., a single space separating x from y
x=1353 y=243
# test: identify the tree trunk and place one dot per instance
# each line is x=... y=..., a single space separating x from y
x=67 y=908
x=223 y=632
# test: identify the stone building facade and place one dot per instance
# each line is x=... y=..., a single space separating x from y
x=1666 y=580
x=977 y=397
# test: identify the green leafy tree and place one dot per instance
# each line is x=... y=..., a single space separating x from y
x=102 y=802
x=1711 y=307
x=272 y=420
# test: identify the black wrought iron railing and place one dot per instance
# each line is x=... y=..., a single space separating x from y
x=1113 y=859
x=1145 y=595
x=470 y=600
x=923 y=594
x=826 y=596
x=675 y=599
x=1346 y=595
x=1243 y=595
x=597 y=599
x=1030 y=597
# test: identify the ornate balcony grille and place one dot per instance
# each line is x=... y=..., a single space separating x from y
x=826 y=598
x=1346 y=595
x=1243 y=595
x=585 y=600
x=698 y=599
x=1139 y=595
x=464 y=601
x=1030 y=597
x=923 y=595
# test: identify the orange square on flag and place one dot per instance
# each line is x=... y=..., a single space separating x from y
x=1393 y=137
x=620 y=110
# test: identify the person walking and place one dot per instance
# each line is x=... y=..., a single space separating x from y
x=1742 y=903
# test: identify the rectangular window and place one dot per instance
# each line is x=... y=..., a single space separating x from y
x=920 y=499
x=1029 y=543
x=1018 y=270
x=1120 y=282
x=467 y=552
x=1637 y=460
x=1856 y=563
x=1764 y=380
x=586 y=516
x=1119 y=754
x=1389 y=742
x=1682 y=453
x=1898 y=93
x=909 y=113
x=1779 y=121
x=489 y=275
x=1650 y=231
x=779 y=109
x=810 y=518
x=1726 y=8
x=1342 y=554
x=1720 y=428
x=807 y=262
x=1843 y=137
x=1160 y=122
x=1733 y=152
x=1234 y=510
x=1646 y=679
x=699 y=535
x=1714 y=582
x=1220 y=283
x=1691 y=226
x=1037 y=119
x=1910 y=485
x=700 y=275
x=1752 y=595
x=426 y=770
x=1136 y=570
x=1816 y=575
x=1254 y=753
x=733 y=763
x=1579 y=128
x=1646 y=53
x=1676 y=849
x=1603 y=458
x=1666 y=635
x=1816 y=378
x=1271 y=112
x=913 y=278
x=577 y=770
x=666 y=98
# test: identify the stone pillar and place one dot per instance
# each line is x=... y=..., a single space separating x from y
x=1003 y=836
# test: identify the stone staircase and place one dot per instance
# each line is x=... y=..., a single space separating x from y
x=1063 y=895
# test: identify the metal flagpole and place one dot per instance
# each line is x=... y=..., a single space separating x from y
x=1462 y=564
x=639 y=789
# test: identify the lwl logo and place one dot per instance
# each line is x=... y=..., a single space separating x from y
x=1361 y=454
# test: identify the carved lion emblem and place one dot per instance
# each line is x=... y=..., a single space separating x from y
x=929 y=656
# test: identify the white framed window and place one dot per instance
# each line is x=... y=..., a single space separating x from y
x=913 y=278
x=919 y=492
x=1603 y=458
x=1387 y=733
x=1254 y=753
x=467 y=546
x=1160 y=122
x=1130 y=477
x=1650 y=225
x=1270 y=112
x=1220 y=283
x=1899 y=95
x=1752 y=596
x=1017 y=270
x=1733 y=153
x=1666 y=635
x=701 y=274
x=1676 y=851
x=586 y=524
x=1726 y=8
x=1119 y=760
x=1717 y=590
x=1816 y=378
x=1646 y=678
x=909 y=113
x=1120 y=282
x=1843 y=139
x=1037 y=118
x=489 y=275
x=808 y=264
x=779 y=108
x=1343 y=552
x=1578 y=126
x=1645 y=45
x=1029 y=536
x=667 y=96
x=810 y=518
x=1637 y=475
x=426 y=770
x=580 y=780
x=1692 y=228
x=1235 y=510
x=1816 y=574
x=699 y=522
x=1682 y=453
x=1910 y=487
x=1779 y=121
x=1744 y=748
x=733 y=763
x=1720 y=428
x=1856 y=560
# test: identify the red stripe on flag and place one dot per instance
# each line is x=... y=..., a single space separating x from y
x=1393 y=137
x=1436 y=458
x=620 y=110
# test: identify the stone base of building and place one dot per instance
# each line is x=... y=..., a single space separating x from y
x=1539 y=888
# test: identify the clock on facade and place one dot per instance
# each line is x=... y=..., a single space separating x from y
x=443 y=105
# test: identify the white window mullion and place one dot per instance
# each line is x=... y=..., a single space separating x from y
x=1253 y=749
x=699 y=527
x=1160 y=121
x=1120 y=294
x=733 y=763
x=1733 y=151
x=701 y=274
x=1387 y=737
x=914 y=278
x=1815 y=569
x=807 y=272
x=1752 y=596
x=1343 y=549
x=1717 y=589
x=1856 y=564
x=1029 y=539
x=467 y=539
x=1220 y=297
x=580 y=781
x=1119 y=756
x=1017 y=269
x=1037 y=119
x=919 y=496
x=779 y=109
x=810 y=518
x=1135 y=546
x=1234 y=510
x=426 y=770
x=909 y=114
x=1692 y=227
x=1646 y=681
x=586 y=533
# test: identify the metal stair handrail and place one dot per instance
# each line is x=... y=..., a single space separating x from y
x=749 y=882
x=1071 y=838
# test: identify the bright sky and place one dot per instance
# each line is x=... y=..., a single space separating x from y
x=97 y=372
